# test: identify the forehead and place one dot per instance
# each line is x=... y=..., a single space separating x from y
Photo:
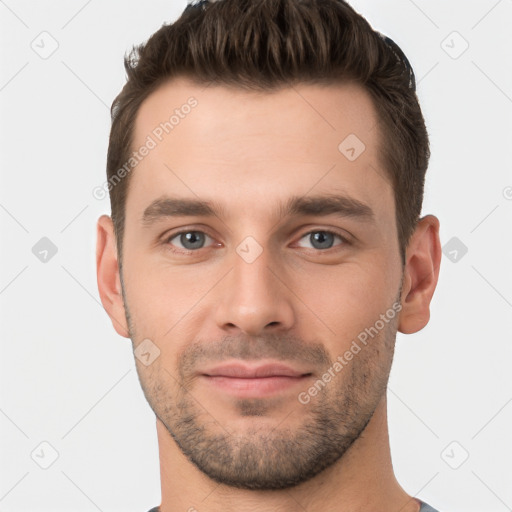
x=247 y=148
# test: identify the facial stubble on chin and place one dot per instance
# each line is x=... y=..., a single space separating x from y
x=263 y=458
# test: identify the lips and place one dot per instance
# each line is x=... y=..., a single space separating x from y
x=243 y=380
x=239 y=371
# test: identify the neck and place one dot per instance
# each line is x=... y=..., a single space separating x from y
x=361 y=480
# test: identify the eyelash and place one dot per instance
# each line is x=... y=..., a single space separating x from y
x=167 y=239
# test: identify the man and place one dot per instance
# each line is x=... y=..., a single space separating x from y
x=266 y=168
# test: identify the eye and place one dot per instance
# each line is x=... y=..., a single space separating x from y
x=322 y=239
x=188 y=240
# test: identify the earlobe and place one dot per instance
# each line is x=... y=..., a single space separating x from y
x=107 y=273
x=423 y=258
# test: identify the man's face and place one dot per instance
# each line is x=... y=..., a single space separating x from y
x=226 y=296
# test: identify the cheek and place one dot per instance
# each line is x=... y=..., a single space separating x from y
x=165 y=303
x=155 y=288
x=343 y=300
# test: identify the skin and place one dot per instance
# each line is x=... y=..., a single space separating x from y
x=295 y=303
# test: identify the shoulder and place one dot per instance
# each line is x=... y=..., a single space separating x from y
x=425 y=507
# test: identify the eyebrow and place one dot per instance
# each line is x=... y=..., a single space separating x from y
x=340 y=205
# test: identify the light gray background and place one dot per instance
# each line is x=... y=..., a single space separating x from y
x=69 y=380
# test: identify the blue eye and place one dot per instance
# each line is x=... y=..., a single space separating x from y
x=189 y=240
x=322 y=239
x=192 y=240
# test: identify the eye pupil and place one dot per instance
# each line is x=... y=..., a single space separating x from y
x=192 y=239
x=322 y=239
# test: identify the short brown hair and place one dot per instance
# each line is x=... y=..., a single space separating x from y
x=267 y=44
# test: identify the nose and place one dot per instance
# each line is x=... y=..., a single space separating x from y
x=255 y=297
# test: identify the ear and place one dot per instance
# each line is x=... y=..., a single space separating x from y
x=423 y=258
x=107 y=272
